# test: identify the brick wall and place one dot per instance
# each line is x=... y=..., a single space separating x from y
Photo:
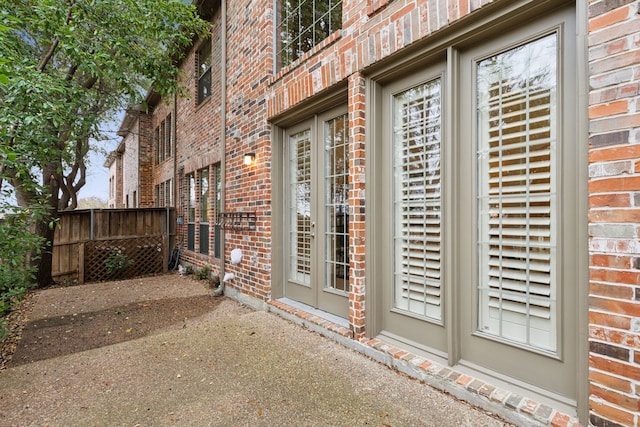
x=145 y=167
x=250 y=65
x=357 y=163
x=614 y=212
x=377 y=30
x=198 y=131
x=163 y=171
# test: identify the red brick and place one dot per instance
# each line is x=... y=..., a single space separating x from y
x=609 y=19
x=618 y=152
x=615 y=215
x=610 y=381
x=611 y=291
x=614 y=367
x=609 y=185
x=615 y=276
x=614 y=261
x=609 y=319
x=560 y=420
x=610 y=200
x=616 y=398
x=610 y=109
x=615 y=306
x=614 y=414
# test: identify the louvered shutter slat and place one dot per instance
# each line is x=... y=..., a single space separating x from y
x=416 y=196
x=516 y=193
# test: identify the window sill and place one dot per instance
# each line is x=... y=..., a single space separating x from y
x=203 y=103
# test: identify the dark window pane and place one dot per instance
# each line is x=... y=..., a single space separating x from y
x=204 y=238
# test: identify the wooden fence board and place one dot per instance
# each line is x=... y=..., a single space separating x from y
x=142 y=233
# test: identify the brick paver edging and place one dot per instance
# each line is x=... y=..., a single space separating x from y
x=511 y=406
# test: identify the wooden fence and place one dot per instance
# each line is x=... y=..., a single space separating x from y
x=105 y=244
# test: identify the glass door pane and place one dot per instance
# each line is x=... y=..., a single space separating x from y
x=300 y=224
x=336 y=187
x=516 y=193
x=417 y=199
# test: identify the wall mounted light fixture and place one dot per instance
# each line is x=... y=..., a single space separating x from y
x=249 y=158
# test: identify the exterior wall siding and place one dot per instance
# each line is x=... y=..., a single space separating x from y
x=145 y=167
x=130 y=168
x=164 y=170
x=375 y=31
x=249 y=65
x=198 y=139
x=614 y=212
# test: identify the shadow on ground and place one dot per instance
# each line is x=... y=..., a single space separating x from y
x=58 y=336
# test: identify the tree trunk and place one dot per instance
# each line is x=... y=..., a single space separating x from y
x=45 y=261
x=46 y=227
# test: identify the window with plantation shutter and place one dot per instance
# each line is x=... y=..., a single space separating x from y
x=516 y=95
x=301 y=232
x=416 y=199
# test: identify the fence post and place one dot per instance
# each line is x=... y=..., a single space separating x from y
x=91 y=231
x=165 y=255
x=81 y=264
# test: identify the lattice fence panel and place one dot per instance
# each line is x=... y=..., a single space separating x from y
x=123 y=258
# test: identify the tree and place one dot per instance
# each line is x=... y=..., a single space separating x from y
x=70 y=65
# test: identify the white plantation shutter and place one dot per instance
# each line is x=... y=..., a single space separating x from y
x=517 y=190
x=300 y=207
x=416 y=198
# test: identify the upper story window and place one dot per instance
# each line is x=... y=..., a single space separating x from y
x=204 y=71
x=163 y=140
x=303 y=24
x=168 y=137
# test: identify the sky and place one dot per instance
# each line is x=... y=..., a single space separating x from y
x=97 y=175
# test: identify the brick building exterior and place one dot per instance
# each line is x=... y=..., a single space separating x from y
x=613 y=188
x=449 y=186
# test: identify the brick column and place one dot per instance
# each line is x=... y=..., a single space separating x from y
x=614 y=213
x=357 y=204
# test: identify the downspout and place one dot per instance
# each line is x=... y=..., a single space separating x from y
x=223 y=127
x=174 y=130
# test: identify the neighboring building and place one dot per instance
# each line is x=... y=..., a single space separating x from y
x=130 y=165
x=114 y=163
x=449 y=186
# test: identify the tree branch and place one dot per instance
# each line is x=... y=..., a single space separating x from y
x=52 y=49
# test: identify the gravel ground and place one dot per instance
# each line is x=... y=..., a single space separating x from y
x=231 y=366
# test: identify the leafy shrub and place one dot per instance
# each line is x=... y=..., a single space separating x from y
x=18 y=247
x=117 y=262
x=204 y=273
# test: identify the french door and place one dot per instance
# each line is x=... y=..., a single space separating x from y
x=476 y=212
x=316 y=212
x=410 y=209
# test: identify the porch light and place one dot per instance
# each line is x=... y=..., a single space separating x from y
x=249 y=158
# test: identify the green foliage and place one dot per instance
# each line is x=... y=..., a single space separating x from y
x=65 y=67
x=204 y=273
x=16 y=270
x=117 y=262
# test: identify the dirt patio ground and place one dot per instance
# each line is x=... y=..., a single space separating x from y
x=164 y=351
